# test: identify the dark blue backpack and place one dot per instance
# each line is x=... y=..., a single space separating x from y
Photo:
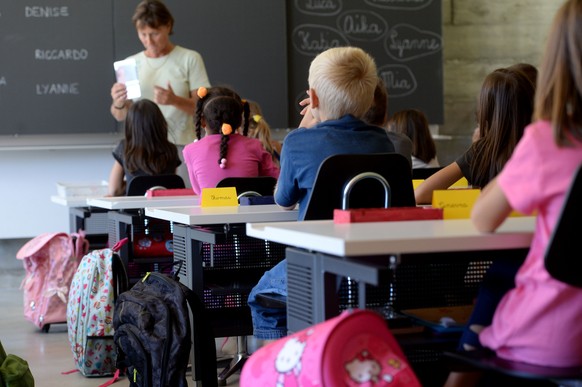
x=153 y=334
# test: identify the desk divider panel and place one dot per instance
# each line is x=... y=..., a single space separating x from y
x=221 y=264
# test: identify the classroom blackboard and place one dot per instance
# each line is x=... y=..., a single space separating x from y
x=55 y=65
x=56 y=61
x=243 y=43
x=403 y=36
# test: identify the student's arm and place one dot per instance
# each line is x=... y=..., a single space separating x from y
x=491 y=208
x=116 y=184
x=291 y=207
x=442 y=179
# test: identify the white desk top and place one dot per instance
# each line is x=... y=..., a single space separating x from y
x=70 y=201
x=424 y=236
x=131 y=202
x=217 y=215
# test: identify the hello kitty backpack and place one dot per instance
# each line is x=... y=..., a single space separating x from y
x=354 y=349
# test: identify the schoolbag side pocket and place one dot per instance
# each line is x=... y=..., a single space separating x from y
x=133 y=356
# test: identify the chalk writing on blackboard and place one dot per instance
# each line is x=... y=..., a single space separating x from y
x=362 y=25
x=311 y=39
x=399 y=79
x=319 y=7
x=406 y=42
x=48 y=11
x=61 y=54
x=407 y=5
x=57 y=88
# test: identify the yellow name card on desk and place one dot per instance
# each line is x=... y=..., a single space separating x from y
x=219 y=197
x=456 y=203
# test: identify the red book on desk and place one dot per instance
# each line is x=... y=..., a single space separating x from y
x=169 y=192
x=358 y=215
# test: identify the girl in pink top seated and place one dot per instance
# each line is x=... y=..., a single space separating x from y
x=223 y=152
x=539 y=321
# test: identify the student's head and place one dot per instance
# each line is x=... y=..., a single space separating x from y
x=343 y=79
x=377 y=114
x=205 y=95
x=529 y=70
x=146 y=139
x=504 y=110
x=153 y=14
x=505 y=105
x=559 y=95
x=259 y=128
x=145 y=124
x=414 y=124
x=222 y=111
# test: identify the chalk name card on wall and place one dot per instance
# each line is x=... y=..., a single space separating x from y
x=50 y=53
x=403 y=36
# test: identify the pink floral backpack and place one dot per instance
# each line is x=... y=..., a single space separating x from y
x=50 y=261
x=354 y=349
x=98 y=280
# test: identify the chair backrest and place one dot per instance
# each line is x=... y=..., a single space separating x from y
x=560 y=258
x=250 y=186
x=335 y=172
x=140 y=184
x=423 y=173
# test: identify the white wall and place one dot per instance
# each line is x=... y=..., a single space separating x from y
x=29 y=178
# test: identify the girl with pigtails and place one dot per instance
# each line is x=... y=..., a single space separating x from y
x=223 y=151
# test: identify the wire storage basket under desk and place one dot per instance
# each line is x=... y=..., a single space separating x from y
x=150 y=245
x=222 y=264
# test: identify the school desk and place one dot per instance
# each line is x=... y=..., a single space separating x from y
x=362 y=250
x=220 y=263
x=125 y=217
x=139 y=202
x=82 y=217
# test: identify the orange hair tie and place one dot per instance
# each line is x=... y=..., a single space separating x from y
x=201 y=92
x=226 y=129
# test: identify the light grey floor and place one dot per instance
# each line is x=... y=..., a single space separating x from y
x=48 y=354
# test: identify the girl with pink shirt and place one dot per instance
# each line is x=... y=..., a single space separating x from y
x=223 y=152
x=538 y=321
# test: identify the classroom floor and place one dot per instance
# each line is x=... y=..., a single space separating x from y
x=48 y=354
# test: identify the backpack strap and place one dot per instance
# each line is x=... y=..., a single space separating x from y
x=80 y=244
x=119 y=244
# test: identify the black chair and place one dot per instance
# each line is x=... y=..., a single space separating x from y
x=558 y=258
x=559 y=263
x=354 y=181
x=424 y=173
x=140 y=184
x=250 y=186
x=334 y=173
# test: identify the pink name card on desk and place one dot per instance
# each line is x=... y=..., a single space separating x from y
x=456 y=203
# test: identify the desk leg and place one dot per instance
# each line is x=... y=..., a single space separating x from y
x=117 y=231
x=189 y=252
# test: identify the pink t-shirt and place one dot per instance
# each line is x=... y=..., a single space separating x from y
x=245 y=157
x=540 y=321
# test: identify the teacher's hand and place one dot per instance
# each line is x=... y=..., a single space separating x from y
x=119 y=94
x=164 y=96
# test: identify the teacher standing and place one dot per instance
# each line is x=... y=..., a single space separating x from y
x=168 y=74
